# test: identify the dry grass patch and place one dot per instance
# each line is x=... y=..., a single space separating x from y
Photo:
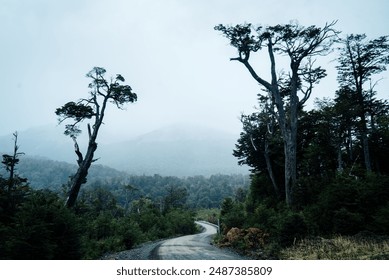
x=338 y=248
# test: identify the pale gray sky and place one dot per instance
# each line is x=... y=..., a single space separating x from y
x=167 y=51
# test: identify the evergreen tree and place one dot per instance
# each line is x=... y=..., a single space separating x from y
x=359 y=60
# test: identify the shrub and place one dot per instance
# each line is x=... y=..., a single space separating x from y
x=180 y=222
x=346 y=222
x=292 y=229
x=43 y=228
x=231 y=215
x=380 y=222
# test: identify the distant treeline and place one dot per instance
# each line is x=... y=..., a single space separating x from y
x=202 y=191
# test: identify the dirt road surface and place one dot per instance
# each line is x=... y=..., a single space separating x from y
x=193 y=247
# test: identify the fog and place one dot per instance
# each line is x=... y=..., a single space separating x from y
x=167 y=51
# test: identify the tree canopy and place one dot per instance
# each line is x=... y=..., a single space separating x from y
x=287 y=90
x=358 y=61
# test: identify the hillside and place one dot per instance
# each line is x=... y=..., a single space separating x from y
x=46 y=173
x=202 y=191
x=176 y=150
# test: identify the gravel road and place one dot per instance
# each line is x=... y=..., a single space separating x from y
x=188 y=247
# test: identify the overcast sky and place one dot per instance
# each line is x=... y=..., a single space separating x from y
x=166 y=50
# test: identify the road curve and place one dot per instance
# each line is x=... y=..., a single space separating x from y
x=193 y=247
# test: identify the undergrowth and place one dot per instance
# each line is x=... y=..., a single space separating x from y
x=338 y=248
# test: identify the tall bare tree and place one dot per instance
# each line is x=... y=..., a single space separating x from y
x=101 y=92
x=301 y=45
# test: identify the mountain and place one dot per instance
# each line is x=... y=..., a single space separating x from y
x=177 y=150
x=43 y=141
x=45 y=173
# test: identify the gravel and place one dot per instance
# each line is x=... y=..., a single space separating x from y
x=148 y=251
x=145 y=251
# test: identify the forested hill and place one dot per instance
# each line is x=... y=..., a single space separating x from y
x=176 y=150
x=43 y=173
x=202 y=191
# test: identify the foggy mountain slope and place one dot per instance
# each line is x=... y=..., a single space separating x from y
x=46 y=173
x=43 y=141
x=177 y=150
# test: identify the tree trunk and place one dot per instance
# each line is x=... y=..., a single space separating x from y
x=84 y=165
x=270 y=169
x=365 y=143
x=340 y=161
x=290 y=167
x=350 y=145
x=80 y=177
x=363 y=128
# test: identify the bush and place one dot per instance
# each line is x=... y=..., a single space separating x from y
x=231 y=215
x=265 y=217
x=180 y=222
x=292 y=228
x=42 y=228
x=380 y=222
x=346 y=222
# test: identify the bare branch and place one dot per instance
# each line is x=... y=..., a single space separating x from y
x=77 y=151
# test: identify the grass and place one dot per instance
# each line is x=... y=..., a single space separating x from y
x=209 y=215
x=338 y=248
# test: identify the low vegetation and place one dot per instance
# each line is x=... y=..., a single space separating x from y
x=347 y=219
x=36 y=224
x=338 y=248
x=39 y=226
x=114 y=212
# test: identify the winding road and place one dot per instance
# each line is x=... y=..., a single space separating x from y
x=193 y=247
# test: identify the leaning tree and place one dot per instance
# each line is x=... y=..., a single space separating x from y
x=101 y=92
x=288 y=89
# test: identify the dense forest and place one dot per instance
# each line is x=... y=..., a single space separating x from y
x=115 y=211
x=334 y=194
x=315 y=173
x=202 y=191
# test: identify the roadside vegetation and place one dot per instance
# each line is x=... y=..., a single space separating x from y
x=338 y=218
x=338 y=248
x=319 y=177
x=38 y=226
x=114 y=212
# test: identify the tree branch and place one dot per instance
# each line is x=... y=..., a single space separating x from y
x=77 y=151
x=89 y=132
